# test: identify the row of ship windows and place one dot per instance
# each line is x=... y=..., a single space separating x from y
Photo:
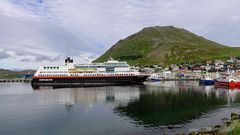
x=106 y=74
x=53 y=75
x=102 y=66
x=50 y=67
x=54 y=72
x=84 y=67
x=58 y=68
x=85 y=74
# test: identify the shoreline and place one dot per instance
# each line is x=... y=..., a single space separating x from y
x=230 y=126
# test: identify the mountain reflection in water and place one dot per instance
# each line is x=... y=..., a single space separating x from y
x=177 y=104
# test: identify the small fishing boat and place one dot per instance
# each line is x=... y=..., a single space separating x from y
x=206 y=80
x=229 y=81
x=154 y=77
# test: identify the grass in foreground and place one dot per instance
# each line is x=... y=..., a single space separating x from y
x=235 y=130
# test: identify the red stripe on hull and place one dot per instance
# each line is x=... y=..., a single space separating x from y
x=54 y=77
x=230 y=84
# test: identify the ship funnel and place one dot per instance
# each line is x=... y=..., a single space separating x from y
x=68 y=60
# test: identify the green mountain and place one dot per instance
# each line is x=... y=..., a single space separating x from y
x=167 y=45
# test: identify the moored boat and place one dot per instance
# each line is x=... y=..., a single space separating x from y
x=228 y=81
x=206 y=81
x=154 y=77
x=112 y=72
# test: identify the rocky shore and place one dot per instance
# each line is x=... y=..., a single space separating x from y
x=229 y=126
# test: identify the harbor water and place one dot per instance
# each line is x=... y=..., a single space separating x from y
x=167 y=107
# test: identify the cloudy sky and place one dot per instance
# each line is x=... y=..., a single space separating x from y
x=41 y=32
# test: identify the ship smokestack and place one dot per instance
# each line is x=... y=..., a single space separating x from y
x=68 y=60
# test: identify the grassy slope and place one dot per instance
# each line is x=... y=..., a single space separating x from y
x=167 y=45
x=8 y=74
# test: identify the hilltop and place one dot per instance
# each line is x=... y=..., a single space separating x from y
x=167 y=45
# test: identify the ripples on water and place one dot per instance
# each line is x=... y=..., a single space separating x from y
x=154 y=108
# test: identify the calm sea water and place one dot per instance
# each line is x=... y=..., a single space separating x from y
x=154 y=108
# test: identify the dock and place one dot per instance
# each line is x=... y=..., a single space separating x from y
x=15 y=80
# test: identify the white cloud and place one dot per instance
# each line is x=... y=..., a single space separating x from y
x=11 y=10
x=110 y=20
x=46 y=30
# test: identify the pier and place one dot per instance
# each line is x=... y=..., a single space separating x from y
x=15 y=80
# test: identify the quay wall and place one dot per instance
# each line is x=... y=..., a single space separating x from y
x=15 y=80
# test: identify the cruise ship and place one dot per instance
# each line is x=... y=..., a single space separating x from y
x=112 y=72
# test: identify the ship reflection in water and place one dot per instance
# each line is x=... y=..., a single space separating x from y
x=87 y=96
x=154 y=108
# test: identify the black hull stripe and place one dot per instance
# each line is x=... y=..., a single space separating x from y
x=88 y=81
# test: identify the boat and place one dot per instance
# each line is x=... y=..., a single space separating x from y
x=228 y=81
x=112 y=72
x=206 y=80
x=154 y=77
